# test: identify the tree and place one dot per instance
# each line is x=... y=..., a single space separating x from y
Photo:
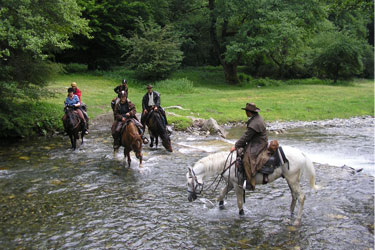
x=241 y=30
x=154 y=52
x=339 y=57
x=110 y=21
x=30 y=31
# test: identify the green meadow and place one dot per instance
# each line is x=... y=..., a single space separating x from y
x=202 y=93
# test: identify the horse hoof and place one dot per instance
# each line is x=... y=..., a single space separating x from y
x=151 y=145
x=297 y=223
x=221 y=205
x=242 y=212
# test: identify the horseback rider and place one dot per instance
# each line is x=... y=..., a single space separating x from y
x=72 y=100
x=83 y=107
x=254 y=142
x=76 y=90
x=151 y=101
x=123 y=111
x=119 y=89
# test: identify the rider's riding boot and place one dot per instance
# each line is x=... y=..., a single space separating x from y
x=265 y=178
x=85 y=128
x=144 y=139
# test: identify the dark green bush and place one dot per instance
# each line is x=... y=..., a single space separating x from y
x=75 y=68
x=25 y=119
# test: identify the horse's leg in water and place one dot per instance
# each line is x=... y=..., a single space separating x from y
x=297 y=193
x=223 y=193
x=72 y=141
x=156 y=141
x=152 y=140
x=82 y=135
x=129 y=159
x=140 y=159
x=127 y=155
x=239 y=193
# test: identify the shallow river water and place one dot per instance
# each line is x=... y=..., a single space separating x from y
x=54 y=198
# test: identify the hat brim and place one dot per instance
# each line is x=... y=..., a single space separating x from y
x=257 y=110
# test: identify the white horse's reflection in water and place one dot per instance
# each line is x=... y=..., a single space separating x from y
x=215 y=164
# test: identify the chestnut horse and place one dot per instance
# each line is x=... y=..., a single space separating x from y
x=157 y=128
x=73 y=125
x=131 y=141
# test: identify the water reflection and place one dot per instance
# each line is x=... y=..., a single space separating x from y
x=52 y=197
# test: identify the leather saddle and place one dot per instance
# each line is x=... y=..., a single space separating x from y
x=277 y=159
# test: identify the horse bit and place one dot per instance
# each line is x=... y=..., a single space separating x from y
x=196 y=184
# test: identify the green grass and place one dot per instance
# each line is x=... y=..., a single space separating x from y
x=203 y=92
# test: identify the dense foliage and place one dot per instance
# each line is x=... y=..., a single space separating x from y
x=153 y=52
x=30 y=32
x=267 y=38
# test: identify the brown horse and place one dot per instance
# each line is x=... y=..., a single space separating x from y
x=73 y=125
x=132 y=141
x=157 y=128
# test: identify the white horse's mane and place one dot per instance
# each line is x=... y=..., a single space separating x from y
x=212 y=164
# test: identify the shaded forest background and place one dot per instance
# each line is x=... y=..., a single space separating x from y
x=328 y=39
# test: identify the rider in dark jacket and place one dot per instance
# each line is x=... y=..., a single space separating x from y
x=124 y=110
x=254 y=141
x=119 y=89
x=151 y=101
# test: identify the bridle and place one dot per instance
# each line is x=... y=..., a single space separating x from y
x=196 y=184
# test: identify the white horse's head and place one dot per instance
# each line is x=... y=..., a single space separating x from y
x=194 y=186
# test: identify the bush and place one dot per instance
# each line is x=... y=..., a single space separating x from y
x=75 y=68
x=25 y=119
x=339 y=58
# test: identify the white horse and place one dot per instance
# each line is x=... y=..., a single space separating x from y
x=214 y=165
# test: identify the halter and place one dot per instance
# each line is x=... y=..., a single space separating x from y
x=196 y=184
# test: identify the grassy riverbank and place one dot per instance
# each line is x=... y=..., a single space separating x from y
x=204 y=94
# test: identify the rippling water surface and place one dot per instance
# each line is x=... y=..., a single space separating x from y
x=54 y=198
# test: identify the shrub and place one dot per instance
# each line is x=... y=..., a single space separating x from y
x=75 y=68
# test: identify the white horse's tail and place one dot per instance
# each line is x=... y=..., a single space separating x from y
x=310 y=171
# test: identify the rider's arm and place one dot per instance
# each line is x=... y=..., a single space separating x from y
x=132 y=110
x=157 y=102
x=246 y=138
x=144 y=102
x=77 y=103
x=117 y=113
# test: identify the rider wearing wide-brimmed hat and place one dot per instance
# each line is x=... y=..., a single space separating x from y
x=255 y=142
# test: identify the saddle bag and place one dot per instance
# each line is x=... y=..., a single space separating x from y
x=276 y=160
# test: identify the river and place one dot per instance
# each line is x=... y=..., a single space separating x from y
x=54 y=198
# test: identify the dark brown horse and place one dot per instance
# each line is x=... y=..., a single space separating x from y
x=73 y=125
x=157 y=128
x=131 y=141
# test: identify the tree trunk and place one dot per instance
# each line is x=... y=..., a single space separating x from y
x=230 y=69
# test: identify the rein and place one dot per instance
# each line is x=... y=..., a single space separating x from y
x=197 y=182
x=221 y=175
x=224 y=170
